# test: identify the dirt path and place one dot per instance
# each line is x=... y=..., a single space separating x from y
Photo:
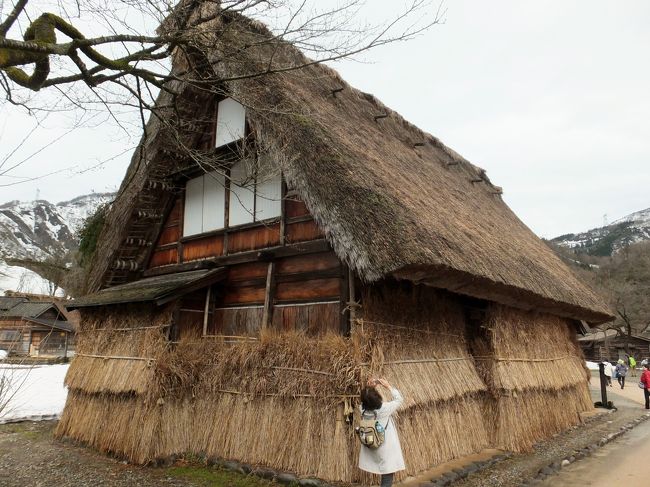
x=30 y=456
x=522 y=468
x=624 y=462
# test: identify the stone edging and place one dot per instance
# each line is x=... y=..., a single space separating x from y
x=555 y=467
x=267 y=473
x=461 y=473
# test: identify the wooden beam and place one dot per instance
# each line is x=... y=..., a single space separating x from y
x=269 y=293
x=283 y=212
x=174 y=268
x=352 y=295
x=261 y=255
x=344 y=325
x=206 y=310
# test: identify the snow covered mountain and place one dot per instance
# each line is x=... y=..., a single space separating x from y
x=40 y=230
x=606 y=240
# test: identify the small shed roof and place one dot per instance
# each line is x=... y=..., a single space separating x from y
x=28 y=309
x=8 y=302
x=56 y=324
x=159 y=289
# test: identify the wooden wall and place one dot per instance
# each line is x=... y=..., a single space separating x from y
x=294 y=226
x=302 y=292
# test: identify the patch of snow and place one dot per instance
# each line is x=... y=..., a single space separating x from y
x=13 y=278
x=592 y=365
x=37 y=390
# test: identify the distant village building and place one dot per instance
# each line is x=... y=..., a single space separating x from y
x=34 y=328
x=236 y=308
x=612 y=346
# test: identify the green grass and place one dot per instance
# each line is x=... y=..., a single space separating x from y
x=32 y=431
x=216 y=477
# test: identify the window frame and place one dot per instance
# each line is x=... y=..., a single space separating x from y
x=226 y=207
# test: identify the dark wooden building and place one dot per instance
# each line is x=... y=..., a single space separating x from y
x=612 y=346
x=34 y=328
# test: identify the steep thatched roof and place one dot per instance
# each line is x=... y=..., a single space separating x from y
x=392 y=199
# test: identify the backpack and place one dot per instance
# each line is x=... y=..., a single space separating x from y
x=371 y=432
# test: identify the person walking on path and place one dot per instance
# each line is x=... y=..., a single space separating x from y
x=645 y=381
x=621 y=372
x=632 y=362
x=387 y=458
x=608 y=372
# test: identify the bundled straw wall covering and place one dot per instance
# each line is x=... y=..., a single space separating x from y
x=279 y=399
x=237 y=400
x=535 y=371
x=419 y=344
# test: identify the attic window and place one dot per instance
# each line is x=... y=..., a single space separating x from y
x=231 y=122
x=204 y=203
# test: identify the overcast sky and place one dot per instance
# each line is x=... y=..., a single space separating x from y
x=551 y=98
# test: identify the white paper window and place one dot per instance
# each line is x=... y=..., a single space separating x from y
x=193 y=214
x=214 y=199
x=268 y=197
x=204 y=204
x=231 y=122
x=242 y=195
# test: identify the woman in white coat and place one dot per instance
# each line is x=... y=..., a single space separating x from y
x=387 y=459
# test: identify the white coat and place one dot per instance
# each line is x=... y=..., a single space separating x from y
x=388 y=457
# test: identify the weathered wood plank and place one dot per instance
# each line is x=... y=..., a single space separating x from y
x=202 y=248
x=305 y=290
x=244 y=295
x=303 y=231
x=253 y=238
x=295 y=208
x=164 y=257
x=306 y=263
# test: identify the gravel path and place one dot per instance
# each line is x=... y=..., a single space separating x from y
x=30 y=456
x=520 y=469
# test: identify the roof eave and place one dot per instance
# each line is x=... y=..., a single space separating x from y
x=482 y=288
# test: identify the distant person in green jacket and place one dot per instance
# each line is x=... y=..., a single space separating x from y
x=632 y=363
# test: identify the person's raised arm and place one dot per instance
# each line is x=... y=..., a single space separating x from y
x=390 y=407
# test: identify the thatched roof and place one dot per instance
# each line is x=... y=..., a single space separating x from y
x=392 y=199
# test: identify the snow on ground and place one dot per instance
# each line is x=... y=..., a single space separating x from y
x=13 y=278
x=35 y=390
x=592 y=365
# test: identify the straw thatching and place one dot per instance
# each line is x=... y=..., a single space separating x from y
x=117 y=350
x=419 y=344
x=243 y=400
x=535 y=371
x=386 y=205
